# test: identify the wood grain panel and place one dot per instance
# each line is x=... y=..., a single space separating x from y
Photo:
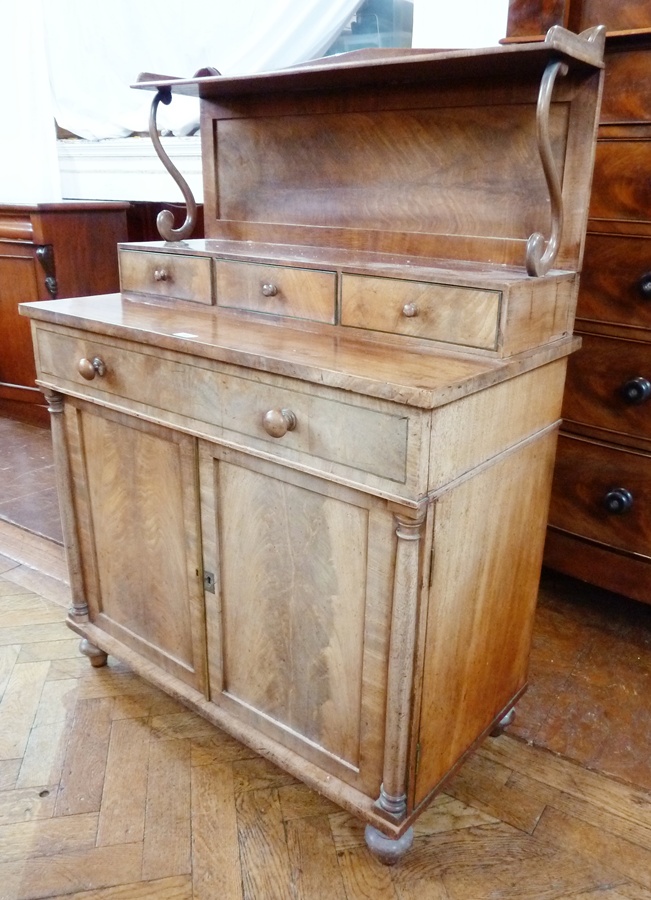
x=298 y=293
x=299 y=646
x=615 y=268
x=294 y=635
x=596 y=377
x=621 y=183
x=585 y=472
x=627 y=66
x=467 y=677
x=144 y=542
x=168 y=275
x=389 y=170
x=456 y=315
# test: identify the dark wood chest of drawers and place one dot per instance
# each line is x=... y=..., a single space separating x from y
x=600 y=515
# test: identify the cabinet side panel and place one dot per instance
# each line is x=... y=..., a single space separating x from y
x=488 y=539
x=141 y=494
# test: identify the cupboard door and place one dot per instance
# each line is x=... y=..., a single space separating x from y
x=298 y=625
x=137 y=514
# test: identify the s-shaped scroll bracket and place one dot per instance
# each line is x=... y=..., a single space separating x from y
x=539 y=257
x=165 y=218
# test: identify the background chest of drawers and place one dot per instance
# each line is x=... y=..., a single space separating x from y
x=47 y=251
x=600 y=516
x=305 y=462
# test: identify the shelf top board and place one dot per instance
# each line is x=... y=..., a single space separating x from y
x=396 y=66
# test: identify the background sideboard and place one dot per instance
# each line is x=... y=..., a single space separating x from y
x=600 y=516
x=49 y=250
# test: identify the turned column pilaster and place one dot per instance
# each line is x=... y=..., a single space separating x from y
x=65 y=490
x=402 y=650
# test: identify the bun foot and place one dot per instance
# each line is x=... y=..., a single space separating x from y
x=388 y=850
x=503 y=723
x=96 y=656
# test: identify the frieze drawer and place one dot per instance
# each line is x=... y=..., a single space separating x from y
x=280 y=290
x=263 y=411
x=441 y=312
x=168 y=275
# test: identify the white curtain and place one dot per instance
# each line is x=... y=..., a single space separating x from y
x=97 y=48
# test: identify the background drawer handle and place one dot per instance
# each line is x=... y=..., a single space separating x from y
x=278 y=422
x=161 y=275
x=644 y=286
x=269 y=290
x=637 y=390
x=410 y=310
x=89 y=368
x=618 y=501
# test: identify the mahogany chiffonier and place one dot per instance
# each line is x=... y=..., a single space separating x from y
x=49 y=250
x=305 y=462
x=600 y=517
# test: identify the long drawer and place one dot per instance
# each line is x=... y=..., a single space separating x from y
x=616 y=280
x=261 y=410
x=609 y=386
x=621 y=186
x=627 y=85
x=603 y=494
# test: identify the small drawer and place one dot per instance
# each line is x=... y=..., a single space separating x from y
x=277 y=290
x=621 y=186
x=603 y=494
x=609 y=386
x=616 y=280
x=440 y=312
x=168 y=275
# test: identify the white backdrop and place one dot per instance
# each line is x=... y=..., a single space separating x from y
x=76 y=59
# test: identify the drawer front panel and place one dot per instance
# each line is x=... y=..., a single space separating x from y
x=616 y=15
x=616 y=280
x=621 y=187
x=278 y=290
x=325 y=430
x=627 y=85
x=587 y=477
x=166 y=275
x=609 y=385
x=449 y=313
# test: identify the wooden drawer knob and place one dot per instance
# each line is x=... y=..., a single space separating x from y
x=277 y=422
x=89 y=368
x=161 y=275
x=618 y=501
x=410 y=310
x=637 y=390
x=269 y=290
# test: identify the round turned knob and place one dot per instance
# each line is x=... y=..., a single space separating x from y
x=161 y=275
x=637 y=390
x=644 y=285
x=269 y=290
x=618 y=501
x=278 y=422
x=410 y=310
x=89 y=368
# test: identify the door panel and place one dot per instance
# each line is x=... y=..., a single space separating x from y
x=137 y=512
x=299 y=623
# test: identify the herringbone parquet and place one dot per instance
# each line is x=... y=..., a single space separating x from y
x=110 y=790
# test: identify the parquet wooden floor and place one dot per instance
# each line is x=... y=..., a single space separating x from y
x=109 y=790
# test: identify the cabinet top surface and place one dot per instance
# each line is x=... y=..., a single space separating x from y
x=401 y=372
